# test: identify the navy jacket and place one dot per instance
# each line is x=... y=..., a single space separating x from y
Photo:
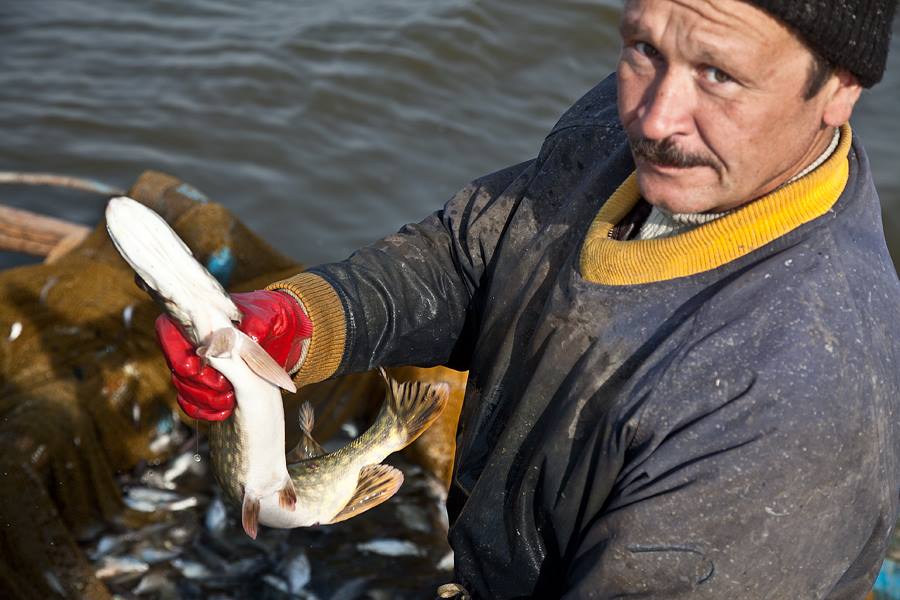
x=725 y=433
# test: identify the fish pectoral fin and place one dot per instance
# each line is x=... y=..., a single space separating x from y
x=287 y=496
x=219 y=344
x=376 y=484
x=261 y=363
x=307 y=447
x=250 y=514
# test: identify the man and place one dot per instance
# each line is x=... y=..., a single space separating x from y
x=679 y=322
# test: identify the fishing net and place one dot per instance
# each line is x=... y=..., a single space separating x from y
x=85 y=393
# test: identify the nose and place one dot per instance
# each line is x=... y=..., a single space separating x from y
x=667 y=107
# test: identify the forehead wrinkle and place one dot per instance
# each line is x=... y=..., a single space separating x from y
x=736 y=18
x=731 y=21
x=720 y=36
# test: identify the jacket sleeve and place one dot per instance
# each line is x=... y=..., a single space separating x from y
x=406 y=299
x=747 y=478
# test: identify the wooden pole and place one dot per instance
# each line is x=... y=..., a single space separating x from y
x=38 y=235
x=54 y=180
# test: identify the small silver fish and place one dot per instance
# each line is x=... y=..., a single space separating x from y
x=247 y=450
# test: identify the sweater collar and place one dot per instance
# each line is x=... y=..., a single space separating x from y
x=612 y=262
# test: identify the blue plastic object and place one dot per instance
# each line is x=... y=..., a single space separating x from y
x=221 y=265
x=887 y=584
x=192 y=193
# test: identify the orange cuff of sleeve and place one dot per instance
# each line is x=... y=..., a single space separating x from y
x=324 y=308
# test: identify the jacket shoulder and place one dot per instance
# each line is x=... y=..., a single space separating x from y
x=597 y=108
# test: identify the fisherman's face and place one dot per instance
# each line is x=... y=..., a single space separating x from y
x=712 y=96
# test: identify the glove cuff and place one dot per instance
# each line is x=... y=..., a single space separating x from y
x=303 y=330
x=321 y=354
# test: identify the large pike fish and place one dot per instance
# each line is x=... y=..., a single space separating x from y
x=248 y=449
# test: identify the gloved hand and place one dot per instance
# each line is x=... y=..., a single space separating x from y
x=273 y=319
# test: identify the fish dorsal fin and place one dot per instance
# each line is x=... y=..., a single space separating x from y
x=307 y=417
x=261 y=363
x=376 y=484
x=307 y=447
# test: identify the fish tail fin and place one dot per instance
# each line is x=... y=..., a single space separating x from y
x=287 y=496
x=413 y=405
x=250 y=514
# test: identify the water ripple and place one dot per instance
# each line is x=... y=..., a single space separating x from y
x=354 y=116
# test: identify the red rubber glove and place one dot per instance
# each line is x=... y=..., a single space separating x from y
x=273 y=319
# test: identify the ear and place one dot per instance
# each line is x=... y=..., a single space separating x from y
x=844 y=90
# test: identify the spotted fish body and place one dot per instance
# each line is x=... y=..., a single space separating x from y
x=248 y=449
x=339 y=485
x=205 y=312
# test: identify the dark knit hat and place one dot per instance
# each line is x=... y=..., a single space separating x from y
x=853 y=34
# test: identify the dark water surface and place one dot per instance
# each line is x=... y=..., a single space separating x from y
x=323 y=124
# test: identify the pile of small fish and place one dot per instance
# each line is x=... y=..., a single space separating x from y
x=194 y=546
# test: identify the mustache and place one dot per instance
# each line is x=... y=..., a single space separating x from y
x=665 y=153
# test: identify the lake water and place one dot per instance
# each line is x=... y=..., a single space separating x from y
x=323 y=124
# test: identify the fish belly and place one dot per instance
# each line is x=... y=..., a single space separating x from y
x=259 y=417
x=321 y=494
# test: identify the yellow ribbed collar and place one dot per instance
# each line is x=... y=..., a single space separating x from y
x=613 y=262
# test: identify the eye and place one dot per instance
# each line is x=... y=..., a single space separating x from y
x=646 y=49
x=714 y=75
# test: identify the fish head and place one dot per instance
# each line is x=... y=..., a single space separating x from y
x=180 y=317
x=167 y=270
